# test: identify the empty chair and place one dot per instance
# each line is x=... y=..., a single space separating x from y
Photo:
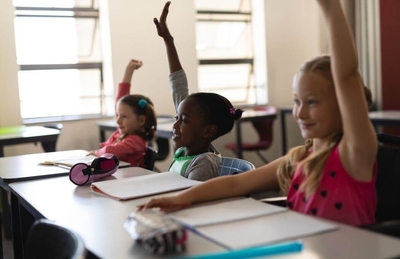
x=49 y=240
x=387 y=186
x=232 y=165
x=150 y=158
x=264 y=129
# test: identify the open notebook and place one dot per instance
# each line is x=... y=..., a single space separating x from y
x=244 y=222
x=141 y=186
x=268 y=229
x=68 y=163
x=224 y=211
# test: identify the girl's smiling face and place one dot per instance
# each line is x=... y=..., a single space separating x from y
x=190 y=128
x=315 y=106
x=128 y=121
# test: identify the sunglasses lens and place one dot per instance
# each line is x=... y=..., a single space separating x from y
x=107 y=164
x=76 y=175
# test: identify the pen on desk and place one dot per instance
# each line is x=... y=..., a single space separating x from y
x=281 y=248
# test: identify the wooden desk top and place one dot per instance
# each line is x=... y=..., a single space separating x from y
x=99 y=220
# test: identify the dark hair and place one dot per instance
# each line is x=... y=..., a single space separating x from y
x=217 y=110
x=146 y=109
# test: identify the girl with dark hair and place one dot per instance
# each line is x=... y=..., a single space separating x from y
x=137 y=123
x=201 y=118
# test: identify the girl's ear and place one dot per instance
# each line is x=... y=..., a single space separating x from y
x=141 y=120
x=210 y=131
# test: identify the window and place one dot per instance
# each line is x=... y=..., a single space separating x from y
x=225 y=49
x=58 y=50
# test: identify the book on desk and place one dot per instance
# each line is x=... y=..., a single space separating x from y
x=142 y=186
x=244 y=222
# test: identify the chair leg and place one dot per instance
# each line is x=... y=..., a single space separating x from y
x=262 y=157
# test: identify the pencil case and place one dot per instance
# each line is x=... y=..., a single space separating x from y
x=100 y=167
x=156 y=232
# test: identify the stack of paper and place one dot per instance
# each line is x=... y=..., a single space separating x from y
x=245 y=222
x=224 y=211
x=264 y=230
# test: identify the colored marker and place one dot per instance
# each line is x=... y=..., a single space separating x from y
x=281 y=248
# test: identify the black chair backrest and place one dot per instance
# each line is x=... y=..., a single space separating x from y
x=150 y=158
x=388 y=178
x=49 y=240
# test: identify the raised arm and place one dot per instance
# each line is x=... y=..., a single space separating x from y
x=133 y=64
x=358 y=147
x=163 y=32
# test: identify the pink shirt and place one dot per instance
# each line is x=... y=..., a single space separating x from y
x=132 y=148
x=339 y=196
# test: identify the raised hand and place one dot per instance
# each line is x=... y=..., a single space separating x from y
x=134 y=64
x=162 y=28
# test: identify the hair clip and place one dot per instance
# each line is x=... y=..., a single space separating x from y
x=142 y=103
x=232 y=110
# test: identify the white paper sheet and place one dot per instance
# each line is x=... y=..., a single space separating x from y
x=224 y=211
x=265 y=229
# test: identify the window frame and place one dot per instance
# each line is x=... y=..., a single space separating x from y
x=76 y=12
x=230 y=61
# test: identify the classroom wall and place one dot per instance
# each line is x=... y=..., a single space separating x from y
x=390 y=53
x=293 y=35
x=9 y=99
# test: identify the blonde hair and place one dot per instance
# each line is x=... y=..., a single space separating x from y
x=313 y=164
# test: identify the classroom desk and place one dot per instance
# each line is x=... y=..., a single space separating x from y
x=249 y=115
x=26 y=167
x=24 y=134
x=99 y=220
x=385 y=118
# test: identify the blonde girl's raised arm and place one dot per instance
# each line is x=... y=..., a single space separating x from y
x=359 y=145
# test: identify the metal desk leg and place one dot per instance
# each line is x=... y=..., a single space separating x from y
x=283 y=128
x=102 y=135
x=239 y=150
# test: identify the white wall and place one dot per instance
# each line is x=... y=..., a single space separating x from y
x=9 y=99
x=292 y=36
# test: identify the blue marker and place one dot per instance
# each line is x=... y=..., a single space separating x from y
x=288 y=247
